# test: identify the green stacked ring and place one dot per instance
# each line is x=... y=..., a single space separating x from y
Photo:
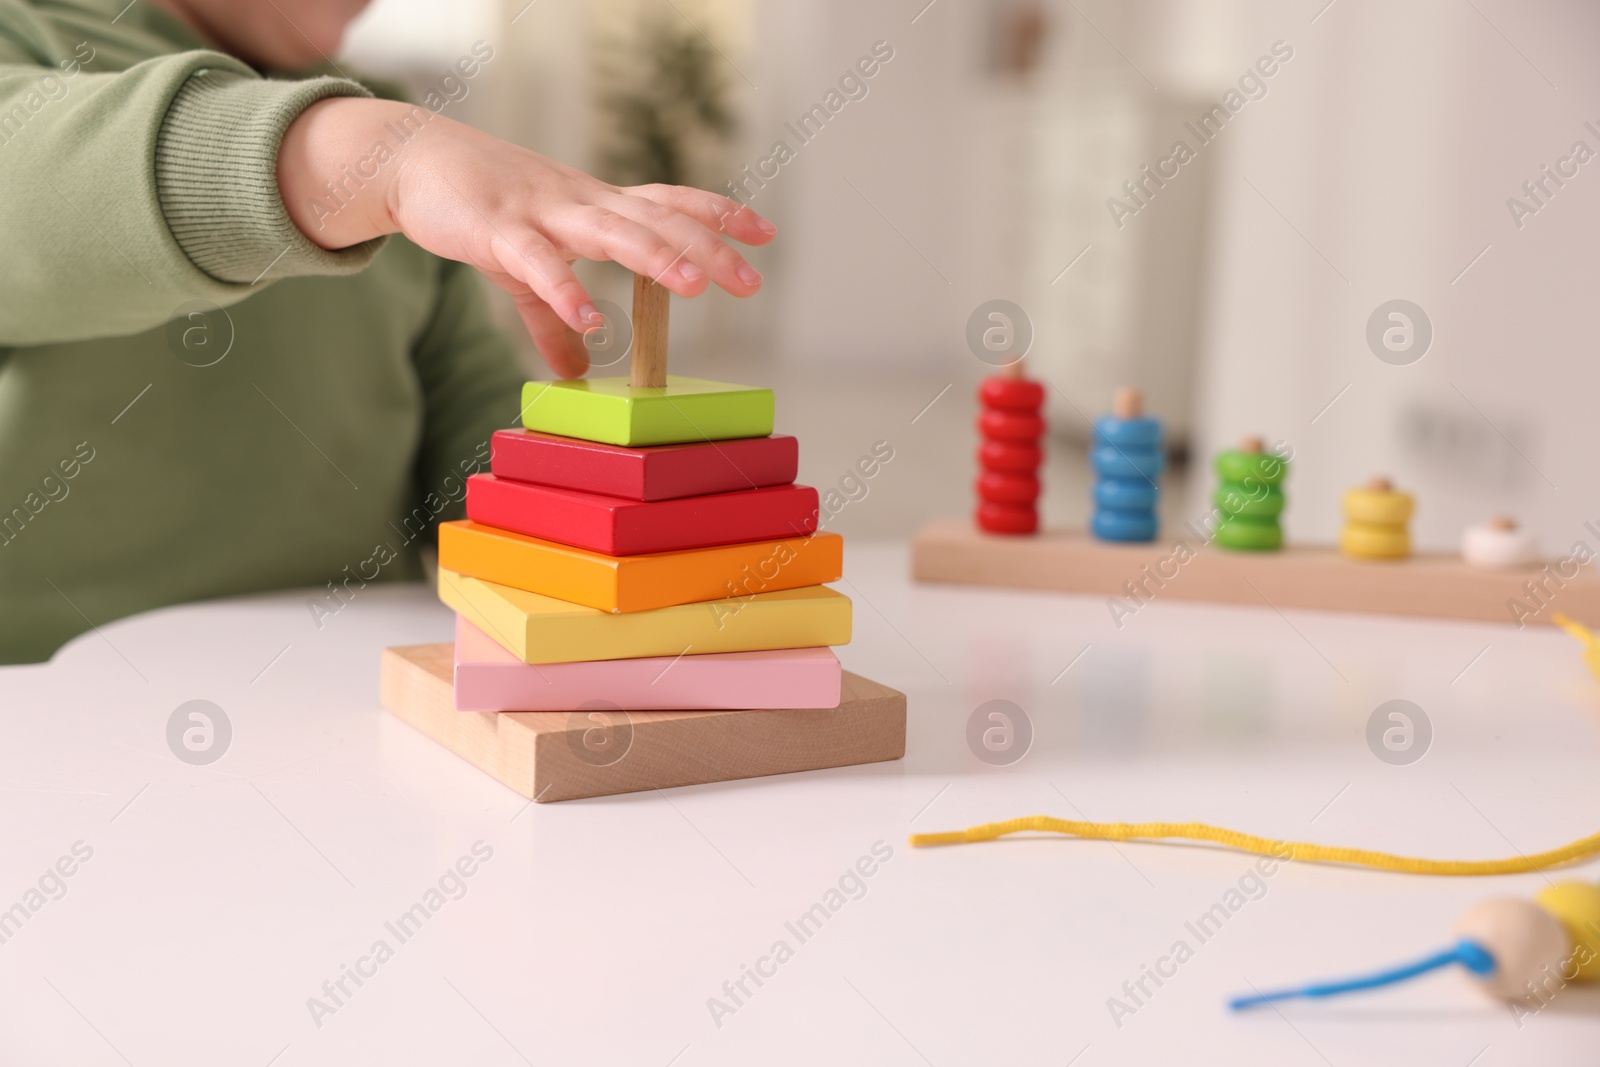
x=1245 y=535
x=1248 y=500
x=1250 y=468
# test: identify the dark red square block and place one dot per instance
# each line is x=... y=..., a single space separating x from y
x=658 y=472
x=618 y=527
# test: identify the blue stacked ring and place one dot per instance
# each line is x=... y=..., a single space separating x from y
x=1127 y=459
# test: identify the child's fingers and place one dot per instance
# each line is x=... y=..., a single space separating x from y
x=535 y=262
x=561 y=348
x=599 y=233
x=718 y=258
x=717 y=213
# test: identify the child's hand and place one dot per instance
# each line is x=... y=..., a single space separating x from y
x=516 y=216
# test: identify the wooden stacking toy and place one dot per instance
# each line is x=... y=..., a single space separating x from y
x=1010 y=427
x=639 y=565
x=1249 y=498
x=1499 y=542
x=1519 y=950
x=1127 y=458
x=1375 y=522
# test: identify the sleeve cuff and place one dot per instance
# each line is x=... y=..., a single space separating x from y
x=216 y=175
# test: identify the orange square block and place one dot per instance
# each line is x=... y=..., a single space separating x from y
x=638 y=583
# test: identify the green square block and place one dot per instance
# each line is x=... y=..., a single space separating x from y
x=611 y=411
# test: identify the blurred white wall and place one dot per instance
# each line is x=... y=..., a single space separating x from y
x=1391 y=146
x=952 y=183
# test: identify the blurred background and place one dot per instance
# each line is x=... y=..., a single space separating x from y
x=1336 y=156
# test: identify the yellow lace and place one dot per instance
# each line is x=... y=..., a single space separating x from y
x=1302 y=851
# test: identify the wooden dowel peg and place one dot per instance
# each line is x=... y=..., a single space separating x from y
x=1127 y=402
x=647 y=366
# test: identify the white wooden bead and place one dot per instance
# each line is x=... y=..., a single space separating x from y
x=1492 y=545
x=1529 y=945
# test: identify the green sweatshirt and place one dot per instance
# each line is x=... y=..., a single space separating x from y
x=195 y=400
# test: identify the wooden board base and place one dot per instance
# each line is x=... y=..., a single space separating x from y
x=550 y=755
x=1429 y=585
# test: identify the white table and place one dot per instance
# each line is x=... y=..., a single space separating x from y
x=220 y=898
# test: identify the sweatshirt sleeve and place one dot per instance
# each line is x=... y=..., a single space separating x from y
x=128 y=194
x=471 y=380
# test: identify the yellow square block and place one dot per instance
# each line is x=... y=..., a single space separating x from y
x=542 y=629
x=638 y=583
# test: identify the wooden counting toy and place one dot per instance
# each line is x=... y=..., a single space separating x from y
x=1010 y=427
x=1238 y=554
x=1499 y=543
x=1127 y=458
x=649 y=407
x=1249 y=498
x=639 y=560
x=1375 y=518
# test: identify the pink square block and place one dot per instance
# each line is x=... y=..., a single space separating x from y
x=489 y=678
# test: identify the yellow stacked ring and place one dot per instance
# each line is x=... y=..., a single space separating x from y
x=1375 y=522
x=1374 y=542
x=1377 y=507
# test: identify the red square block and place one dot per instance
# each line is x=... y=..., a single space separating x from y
x=618 y=527
x=659 y=472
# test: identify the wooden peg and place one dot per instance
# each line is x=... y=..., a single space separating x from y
x=1380 y=483
x=1127 y=402
x=647 y=366
x=1252 y=445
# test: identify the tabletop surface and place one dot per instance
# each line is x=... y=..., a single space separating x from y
x=211 y=911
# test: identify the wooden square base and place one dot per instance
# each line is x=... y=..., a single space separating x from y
x=553 y=755
x=1428 y=584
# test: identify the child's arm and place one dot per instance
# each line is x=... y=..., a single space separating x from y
x=124 y=195
x=514 y=215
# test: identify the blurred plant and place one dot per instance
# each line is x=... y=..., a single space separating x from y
x=667 y=103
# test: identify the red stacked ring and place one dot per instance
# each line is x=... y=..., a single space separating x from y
x=1010 y=426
